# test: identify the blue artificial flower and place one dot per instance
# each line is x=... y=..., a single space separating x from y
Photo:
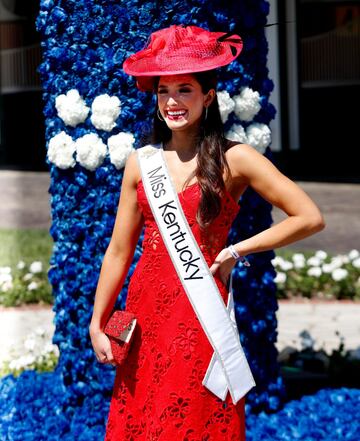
x=84 y=44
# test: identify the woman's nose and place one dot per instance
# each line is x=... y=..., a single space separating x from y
x=171 y=100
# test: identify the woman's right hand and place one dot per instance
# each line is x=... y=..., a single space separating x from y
x=101 y=344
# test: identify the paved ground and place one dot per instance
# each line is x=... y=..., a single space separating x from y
x=24 y=202
x=320 y=320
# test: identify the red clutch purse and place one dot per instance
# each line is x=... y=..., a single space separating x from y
x=120 y=330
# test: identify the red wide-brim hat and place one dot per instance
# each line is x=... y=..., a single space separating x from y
x=181 y=49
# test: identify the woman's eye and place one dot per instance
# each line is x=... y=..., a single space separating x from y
x=181 y=91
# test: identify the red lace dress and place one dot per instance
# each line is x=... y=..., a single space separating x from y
x=158 y=395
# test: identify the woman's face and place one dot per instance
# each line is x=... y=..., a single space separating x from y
x=181 y=100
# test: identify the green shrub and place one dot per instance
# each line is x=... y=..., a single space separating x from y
x=318 y=276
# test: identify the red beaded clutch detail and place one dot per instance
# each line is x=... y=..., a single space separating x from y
x=120 y=330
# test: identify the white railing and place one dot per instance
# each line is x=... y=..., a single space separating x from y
x=18 y=69
x=332 y=58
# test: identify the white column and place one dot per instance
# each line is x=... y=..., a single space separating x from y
x=292 y=75
x=273 y=60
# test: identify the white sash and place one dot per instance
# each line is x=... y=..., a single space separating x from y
x=228 y=368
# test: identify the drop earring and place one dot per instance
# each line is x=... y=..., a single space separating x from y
x=206 y=112
x=159 y=115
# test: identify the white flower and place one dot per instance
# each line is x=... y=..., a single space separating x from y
x=339 y=274
x=299 y=260
x=32 y=286
x=356 y=262
x=5 y=270
x=298 y=257
x=29 y=344
x=237 y=133
x=6 y=285
x=22 y=362
x=28 y=276
x=277 y=260
x=327 y=268
x=5 y=278
x=28 y=359
x=258 y=136
x=338 y=261
x=71 y=108
x=247 y=104
x=353 y=254
x=314 y=261
x=105 y=110
x=321 y=254
x=20 y=265
x=285 y=265
x=280 y=277
x=120 y=146
x=61 y=149
x=14 y=364
x=36 y=267
x=90 y=151
x=314 y=271
x=48 y=348
x=344 y=258
x=226 y=104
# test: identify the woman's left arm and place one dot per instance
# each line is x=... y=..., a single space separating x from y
x=304 y=217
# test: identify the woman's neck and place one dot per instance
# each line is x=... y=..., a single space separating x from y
x=182 y=142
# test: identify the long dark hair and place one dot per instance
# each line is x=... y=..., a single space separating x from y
x=211 y=145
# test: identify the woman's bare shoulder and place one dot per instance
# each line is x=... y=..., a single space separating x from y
x=132 y=168
x=240 y=155
x=238 y=148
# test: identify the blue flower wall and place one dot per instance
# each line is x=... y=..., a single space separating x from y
x=84 y=44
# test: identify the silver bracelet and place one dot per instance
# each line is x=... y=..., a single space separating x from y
x=237 y=256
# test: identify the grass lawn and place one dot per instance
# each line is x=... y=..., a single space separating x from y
x=36 y=244
x=25 y=244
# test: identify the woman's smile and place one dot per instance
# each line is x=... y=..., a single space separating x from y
x=176 y=115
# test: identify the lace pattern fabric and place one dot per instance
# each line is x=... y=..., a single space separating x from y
x=158 y=393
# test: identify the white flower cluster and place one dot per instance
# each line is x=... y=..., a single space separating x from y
x=317 y=265
x=61 y=149
x=36 y=348
x=245 y=105
x=257 y=135
x=72 y=110
x=226 y=104
x=7 y=279
x=89 y=150
x=105 y=111
x=120 y=147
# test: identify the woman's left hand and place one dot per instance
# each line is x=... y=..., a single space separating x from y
x=224 y=263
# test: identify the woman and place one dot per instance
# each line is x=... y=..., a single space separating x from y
x=158 y=394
